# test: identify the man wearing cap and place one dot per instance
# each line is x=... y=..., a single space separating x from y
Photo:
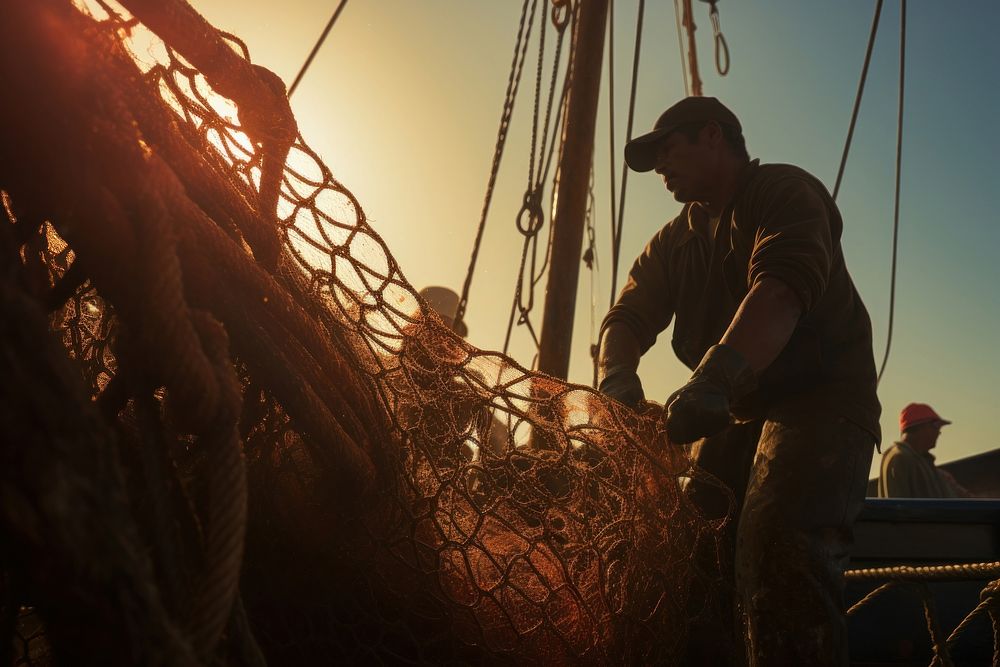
x=908 y=469
x=781 y=405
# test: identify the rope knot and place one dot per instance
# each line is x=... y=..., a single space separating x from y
x=991 y=594
x=268 y=121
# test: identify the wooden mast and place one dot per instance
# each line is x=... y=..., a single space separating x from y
x=576 y=158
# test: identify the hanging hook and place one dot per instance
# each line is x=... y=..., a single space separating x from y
x=561 y=11
x=532 y=206
x=721 y=47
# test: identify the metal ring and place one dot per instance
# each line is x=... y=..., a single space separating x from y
x=533 y=208
x=561 y=12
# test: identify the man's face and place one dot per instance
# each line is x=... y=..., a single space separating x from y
x=925 y=436
x=689 y=167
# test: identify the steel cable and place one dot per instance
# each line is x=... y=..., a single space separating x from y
x=857 y=98
x=316 y=47
x=616 y=235
x=895 y=213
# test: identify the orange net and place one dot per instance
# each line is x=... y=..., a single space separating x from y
x=289 y=456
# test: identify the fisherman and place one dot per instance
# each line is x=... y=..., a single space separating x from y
x=908 y=469
x=444 y=302
x=781 y=405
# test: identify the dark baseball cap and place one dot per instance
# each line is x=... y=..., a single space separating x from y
x=640 y=153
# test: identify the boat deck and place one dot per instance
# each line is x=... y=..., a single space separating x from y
x=892 y=628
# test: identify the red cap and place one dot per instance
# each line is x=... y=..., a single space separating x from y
x=918 y=413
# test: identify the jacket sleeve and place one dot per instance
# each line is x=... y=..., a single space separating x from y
x=645 y=304
x=952 y=484
x=793 y=240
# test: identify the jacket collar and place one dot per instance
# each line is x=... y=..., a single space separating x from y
x=695 y=209
x=925 y=455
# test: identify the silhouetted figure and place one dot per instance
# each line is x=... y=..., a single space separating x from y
x=908 y=469
x=764 y=312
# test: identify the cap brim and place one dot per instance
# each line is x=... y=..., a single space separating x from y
x=929 y=420
x=640 y=153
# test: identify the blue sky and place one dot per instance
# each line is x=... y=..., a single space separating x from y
x=404 y=100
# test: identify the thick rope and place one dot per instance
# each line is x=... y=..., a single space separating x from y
x=871 y=596
x=181 y=349
x=692 y=52
x=265 y=113
x=919 y=577
x=989 y=603
x=991 y=596
x=226 y=511
x=942 y=656
x=956 y=572
x=558 y=525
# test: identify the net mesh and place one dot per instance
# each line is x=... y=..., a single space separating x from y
x=288 y=455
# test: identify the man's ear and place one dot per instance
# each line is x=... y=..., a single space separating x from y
x=712 y=133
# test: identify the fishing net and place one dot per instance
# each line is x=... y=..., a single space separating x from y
x=236 y=433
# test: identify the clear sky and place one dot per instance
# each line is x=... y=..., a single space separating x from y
x=404 y=100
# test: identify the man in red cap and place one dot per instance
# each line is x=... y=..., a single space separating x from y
x=908 y=469
x=781 y=404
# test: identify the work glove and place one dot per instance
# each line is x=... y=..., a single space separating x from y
x=701 y=407
x=624 y=386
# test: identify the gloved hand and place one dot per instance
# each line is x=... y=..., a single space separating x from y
x=624 y=386
x=701 y=407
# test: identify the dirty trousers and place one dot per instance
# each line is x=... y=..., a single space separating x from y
x=798 y=481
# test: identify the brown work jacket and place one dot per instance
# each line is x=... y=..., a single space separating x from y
x=781 y=223
x=907 y=473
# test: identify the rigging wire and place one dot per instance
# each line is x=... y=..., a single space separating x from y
x=857 y=98
x=616 y=232
x=569 y=14
x=590 y=260
x=611 y=130
x=316 y=47
x=680 y=45
x=899 y=161
x=513 y=84
x=531 y=207
x=595 y=346
x=560 y=114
